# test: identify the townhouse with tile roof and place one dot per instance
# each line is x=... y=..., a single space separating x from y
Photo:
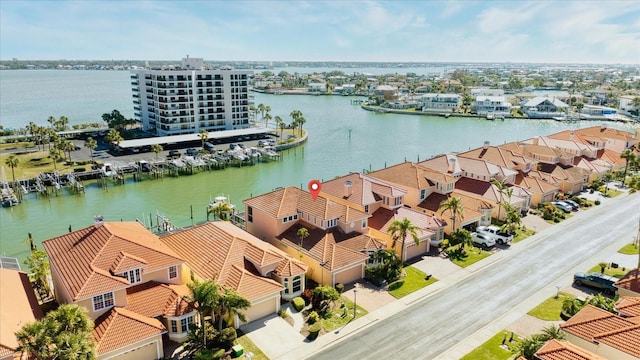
x=629 y=285
x=564 y=350
x=18 y=307
x=369 y=195
x=336 y=250
x=427 y=188
x=475 y=176
x=235 y=259
x=130 y=283
x=604 y=333
x=602 y=137
x=628 y=307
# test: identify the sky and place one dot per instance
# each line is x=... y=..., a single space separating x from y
x=545 y=31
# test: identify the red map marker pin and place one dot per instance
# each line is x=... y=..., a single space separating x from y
x=314 y=188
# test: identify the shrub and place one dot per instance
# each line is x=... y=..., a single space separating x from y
x=81 y=169
x=597 y=202
x=208 y=354
x=307 y=295
x=282 y=313
x=298 y=303
x=315 y=328
x=227 y=337
x=313 y=317
x=340 y=288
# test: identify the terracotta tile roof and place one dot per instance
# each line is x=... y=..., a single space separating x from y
x=411 y=175
x=364 y=190
x=153 y=299
x=326 y=246
x=564 y=350
x=291 y=200
x=594 y=324
x=18 y=307
x=498 y=155
x=631 y=281
x=223 y=252
x=120 y=327
x=382 y=219
x=84 y=258
x=535 y=185
x=607 y=133
x=628 y=306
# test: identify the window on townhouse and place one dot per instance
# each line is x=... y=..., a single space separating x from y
x=186 y=324
x=423 y=194
x=249 y=214
x=102 y=301
x=372 y=258
x=173 y=272
x=332 y=223
x=286 y=285
x=366 y=209
x=364 y=223
x=398 y=201
x=174 y=326
x=297 y=284
x=133 y=276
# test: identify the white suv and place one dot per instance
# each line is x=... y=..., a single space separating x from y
x=498 y=235
x=484 y=240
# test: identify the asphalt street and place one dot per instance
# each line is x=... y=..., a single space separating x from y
x=431 y=325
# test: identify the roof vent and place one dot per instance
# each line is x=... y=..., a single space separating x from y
x=486 y=145
x=348 y=188
x=98 y=220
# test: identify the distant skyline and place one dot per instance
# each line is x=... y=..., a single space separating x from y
x=595 y=32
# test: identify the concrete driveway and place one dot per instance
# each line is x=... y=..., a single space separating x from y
x=273 y=335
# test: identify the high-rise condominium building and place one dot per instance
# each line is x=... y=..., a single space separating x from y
x=185 y=100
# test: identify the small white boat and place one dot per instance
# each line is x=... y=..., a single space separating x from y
x=490 y=116
x=108 y=170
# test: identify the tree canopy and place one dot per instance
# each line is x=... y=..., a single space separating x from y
x=115 y=120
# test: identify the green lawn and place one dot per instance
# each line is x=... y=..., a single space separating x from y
x=474 y=255
x=629 y=249
x=617 y=272
x=337 y=320
x=549 y=309
x=491 y=349
x=415 y=280
x=249 y=346
x=522 y=234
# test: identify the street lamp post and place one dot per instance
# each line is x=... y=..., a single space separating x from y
x=355 y=291
x=557 y=291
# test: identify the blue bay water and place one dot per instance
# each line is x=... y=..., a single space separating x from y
x=343 y=138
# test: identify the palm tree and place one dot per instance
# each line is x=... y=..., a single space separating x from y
x=55 y=155
x=230 y=304
x=12 y=161
x=52 y=121
x=294 y=125
x=221 y=211
x=399 y=229
x=113 y=137
x=69 y=147
x=628 y=155
x=602 y=302
x=91 y=144
x=282 y=126
x=552 y=332
x=454 y=206
x=301 y=121
x=266 y=118
x=38 y=265
x=203 y=135
x=61 y=125
x=295 y=114
x=205 y=297
x=65 y=333
x=502 y=187
x=261 y=109
x=571 y=306
x=529 y=346
x=156 y=148
x=303 y=233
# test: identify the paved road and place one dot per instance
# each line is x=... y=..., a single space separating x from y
x=432 y=325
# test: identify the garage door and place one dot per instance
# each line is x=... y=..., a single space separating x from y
x=262 y=309
x=414 y=250
x=349 y=275
x=146 y=352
